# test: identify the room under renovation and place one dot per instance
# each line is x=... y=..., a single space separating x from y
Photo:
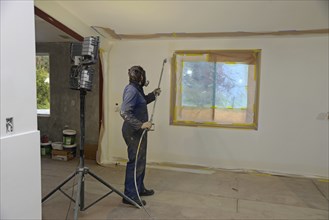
x=164 y=110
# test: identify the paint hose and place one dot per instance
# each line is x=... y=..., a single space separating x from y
x=135 y=172
x=140 y=141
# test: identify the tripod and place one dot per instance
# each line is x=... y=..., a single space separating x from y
x=82 y=171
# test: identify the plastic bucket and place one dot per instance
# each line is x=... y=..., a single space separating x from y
x=46 y=149
x=57 y=145
x=69 y=137
x=71 y=148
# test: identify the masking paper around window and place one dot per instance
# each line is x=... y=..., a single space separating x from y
x=215 y=88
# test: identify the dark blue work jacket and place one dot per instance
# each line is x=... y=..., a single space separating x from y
x=134 y=107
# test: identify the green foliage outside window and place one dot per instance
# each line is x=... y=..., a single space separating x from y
x=43 y=89
x=207 y=84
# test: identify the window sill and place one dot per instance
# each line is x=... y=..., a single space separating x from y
x=43 y=112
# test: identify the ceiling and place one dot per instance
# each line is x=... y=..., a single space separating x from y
x=151 y=17
x=46 y=32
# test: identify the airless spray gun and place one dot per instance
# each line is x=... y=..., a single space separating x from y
x=142 y=136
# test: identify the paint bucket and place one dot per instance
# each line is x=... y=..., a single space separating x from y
x=69 y=137
x=71 y=148
x=46 y=149
x=57 y=145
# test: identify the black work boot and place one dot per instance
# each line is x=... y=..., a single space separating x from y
x=147 y=192
x=135 y=200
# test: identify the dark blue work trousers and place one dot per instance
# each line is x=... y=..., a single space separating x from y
x=132 y=141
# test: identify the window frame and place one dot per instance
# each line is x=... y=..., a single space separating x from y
x=212 y=56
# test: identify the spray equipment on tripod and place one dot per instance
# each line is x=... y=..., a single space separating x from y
x=83 y=56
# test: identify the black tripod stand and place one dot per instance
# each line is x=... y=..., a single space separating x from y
x=82 y=171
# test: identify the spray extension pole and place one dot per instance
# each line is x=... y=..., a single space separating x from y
x=140 y=141
x=155 y=101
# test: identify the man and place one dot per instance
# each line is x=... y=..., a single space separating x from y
x=135 y=115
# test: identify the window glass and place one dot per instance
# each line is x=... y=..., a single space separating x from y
x=231 y=85
x=197 y=84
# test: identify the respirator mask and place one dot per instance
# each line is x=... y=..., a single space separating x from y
x=146 y=83
x=137 y=75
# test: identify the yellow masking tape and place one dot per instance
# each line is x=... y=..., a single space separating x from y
x=207 y=57
x=175 y=115
x=324 y=180
x=187 y=122
x=241 y=124
x=209 y=123
x=261 y=174
x=193 y=54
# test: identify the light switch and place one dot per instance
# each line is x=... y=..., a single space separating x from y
x=9 y=125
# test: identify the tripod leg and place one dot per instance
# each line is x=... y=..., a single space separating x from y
x=113 y=189
x=58 y=187
x=82 y=194
x=78 y=198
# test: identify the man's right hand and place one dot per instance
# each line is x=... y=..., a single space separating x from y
x=146 y=125
x=157 y=91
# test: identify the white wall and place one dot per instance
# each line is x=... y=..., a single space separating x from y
x=291 y=138
x=20 y=187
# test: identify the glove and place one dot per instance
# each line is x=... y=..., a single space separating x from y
x=146 y=125
x=157 y=92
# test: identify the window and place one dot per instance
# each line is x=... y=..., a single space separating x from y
x=43 y=88
x=215 y=88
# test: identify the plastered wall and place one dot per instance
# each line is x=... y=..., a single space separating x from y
x=293 y=131
x=293 y=134
x=65 y=102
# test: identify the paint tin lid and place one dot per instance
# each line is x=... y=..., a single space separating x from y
x=46 y=144
x=69 y=146
x=69 y=132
